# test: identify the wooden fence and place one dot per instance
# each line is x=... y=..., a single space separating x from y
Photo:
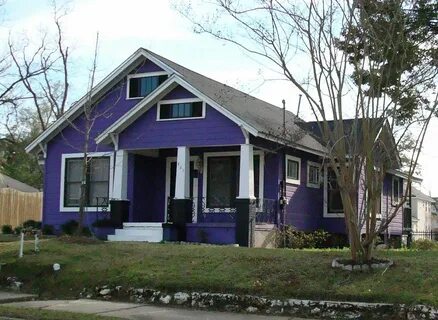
x=17 y=207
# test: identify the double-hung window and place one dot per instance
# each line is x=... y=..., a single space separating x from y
x=293 y=168
x=140 y=86
x=333 y=194
x=223 y=180
x=171 y=110
x=96 y=181
x=396 y=190
x=313 y=174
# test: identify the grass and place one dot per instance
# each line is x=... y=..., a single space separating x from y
x=38 y=314
x=268 y=272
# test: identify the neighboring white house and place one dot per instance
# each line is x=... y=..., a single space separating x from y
x=422 y=205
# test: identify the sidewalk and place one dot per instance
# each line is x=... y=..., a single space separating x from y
x=135 y=311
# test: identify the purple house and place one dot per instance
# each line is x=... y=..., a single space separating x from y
x=196 y=159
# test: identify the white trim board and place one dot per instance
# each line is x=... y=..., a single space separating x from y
x=144 y=105
x=206 y=155
x=289 y=180
x=65 y=156
x=141 y=75
x=327 y=214
x=117 y=74
x=174 y=101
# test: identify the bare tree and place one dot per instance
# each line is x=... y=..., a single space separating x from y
x=369 y=82
x=48 y=88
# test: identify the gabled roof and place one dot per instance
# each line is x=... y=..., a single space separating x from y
x=256 y=116
x=417 y=193
x=8 y=182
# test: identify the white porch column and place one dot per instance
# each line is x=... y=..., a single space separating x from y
x=182 y=185
x=120 y=184
x=246 y=178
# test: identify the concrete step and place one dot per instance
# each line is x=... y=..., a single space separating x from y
x=139 y=231
x=143 y=238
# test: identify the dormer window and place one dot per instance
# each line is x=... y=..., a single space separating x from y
x=140 y=85
x=181 y=109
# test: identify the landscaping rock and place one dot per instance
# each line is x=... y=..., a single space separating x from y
x=165 y=299
x=181 y=297
x=105 y=292
x=251 y=309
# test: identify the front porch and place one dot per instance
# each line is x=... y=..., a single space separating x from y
x=210 y=195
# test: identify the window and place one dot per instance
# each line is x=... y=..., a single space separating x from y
x=180 y=110
x=313 y=174
x=141 y=86
x=97 y=181
x=396 y=190
x=223 y=180
x=293 y=165
x=332 y=195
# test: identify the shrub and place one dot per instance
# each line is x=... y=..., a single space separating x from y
x=70 y=227
x=424 y=244
x=291 y=238
x=32 y=224
x=7 y=229
x=48 y=229
x=18 y=229
x=103 y=223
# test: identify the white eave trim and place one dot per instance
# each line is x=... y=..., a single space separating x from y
x=404 y=175
x=171 y=83
x=71 y=113
x=144 y=105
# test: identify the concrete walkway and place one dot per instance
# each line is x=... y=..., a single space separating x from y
x=136 y=311
x=6 y=296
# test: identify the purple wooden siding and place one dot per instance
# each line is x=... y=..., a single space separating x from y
x=396 y=225
x=146 y=66
x=217 y=233
x=147 y=132
x=179 y=93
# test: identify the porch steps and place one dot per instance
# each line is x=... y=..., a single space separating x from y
x=139 y=231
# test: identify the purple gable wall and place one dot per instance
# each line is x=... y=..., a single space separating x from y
x=146 y=132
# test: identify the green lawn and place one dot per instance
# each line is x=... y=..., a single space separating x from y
x=38 y=314
x=173 y=267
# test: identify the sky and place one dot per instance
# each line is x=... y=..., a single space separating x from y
x=124 y=26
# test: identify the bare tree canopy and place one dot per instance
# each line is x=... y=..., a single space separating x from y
x=372 y=62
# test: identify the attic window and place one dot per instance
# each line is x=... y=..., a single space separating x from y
x=181 y=109
x=141 y=85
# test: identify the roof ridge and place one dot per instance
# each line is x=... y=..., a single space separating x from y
x=223 y=84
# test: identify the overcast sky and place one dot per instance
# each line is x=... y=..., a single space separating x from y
x=124 y=26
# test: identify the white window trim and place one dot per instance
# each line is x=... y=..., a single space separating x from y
x=398 y=191
x=66 y=156
x=169 y=161
x=327 y=214
x=141 y=75
x=188 y=100
x=227 y=154
x=289 y=180
x=313 y=164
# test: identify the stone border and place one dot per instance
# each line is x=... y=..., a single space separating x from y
x=261 y=305
x=336 y=263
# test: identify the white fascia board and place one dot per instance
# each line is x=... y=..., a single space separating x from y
x=76 y=110
x=404 y=175
x=167 y=86
x=217 y=106
x=129 y=117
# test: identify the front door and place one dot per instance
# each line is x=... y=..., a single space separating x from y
x=171 y=182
